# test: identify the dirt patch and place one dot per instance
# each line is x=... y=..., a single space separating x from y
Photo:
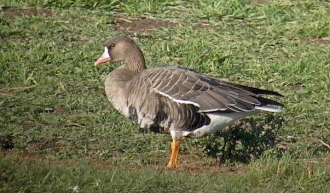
x=317 y=41
x=184 y=167
x=205 y=165
x=148 y=26
x=13 y=12
x=260 y=1
x=42 y=144
x=61 y=111
x=204 y=25
x=296 y=86
x=314 y=41
x=8 y=91
x=140 y=25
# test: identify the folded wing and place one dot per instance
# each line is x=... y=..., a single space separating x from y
x=209 y=95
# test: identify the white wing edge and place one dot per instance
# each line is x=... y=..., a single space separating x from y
x=177 y=100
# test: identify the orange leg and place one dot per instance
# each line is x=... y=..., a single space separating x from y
x=174 y=154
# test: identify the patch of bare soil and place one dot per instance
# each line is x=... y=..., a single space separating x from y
x=140 y=25
x=259 y=1
x=196 y=164
x=318 y=41
x=190 y=164
x=314 y=41
x=13 y=12
x=8 y=91
x=204 y=25
x=296 y=86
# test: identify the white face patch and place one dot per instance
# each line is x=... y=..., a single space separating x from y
x=106 y=52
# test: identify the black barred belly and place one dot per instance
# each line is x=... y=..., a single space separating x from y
x=181 y=117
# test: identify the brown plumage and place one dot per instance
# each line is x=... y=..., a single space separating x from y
x=176 y=100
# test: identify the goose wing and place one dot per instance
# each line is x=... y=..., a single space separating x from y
x=209 y=95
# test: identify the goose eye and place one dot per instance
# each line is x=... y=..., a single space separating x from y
x=112 y=45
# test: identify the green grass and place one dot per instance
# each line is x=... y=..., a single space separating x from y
x=58 y=132
x=276 y=176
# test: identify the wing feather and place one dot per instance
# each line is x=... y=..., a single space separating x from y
x=188 y=87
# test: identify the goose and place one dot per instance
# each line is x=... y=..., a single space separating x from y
x=176 y=100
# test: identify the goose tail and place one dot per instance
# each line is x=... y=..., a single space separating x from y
x=269 y=105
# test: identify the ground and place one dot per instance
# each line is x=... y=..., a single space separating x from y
x=59 y=132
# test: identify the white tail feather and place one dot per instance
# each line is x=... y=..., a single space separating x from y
x=275 y=109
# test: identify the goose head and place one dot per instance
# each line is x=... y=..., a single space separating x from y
x=122 y=49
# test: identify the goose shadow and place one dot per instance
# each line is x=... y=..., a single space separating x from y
x=245 y=140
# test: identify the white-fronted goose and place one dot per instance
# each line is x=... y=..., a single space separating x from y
x=177 y=100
